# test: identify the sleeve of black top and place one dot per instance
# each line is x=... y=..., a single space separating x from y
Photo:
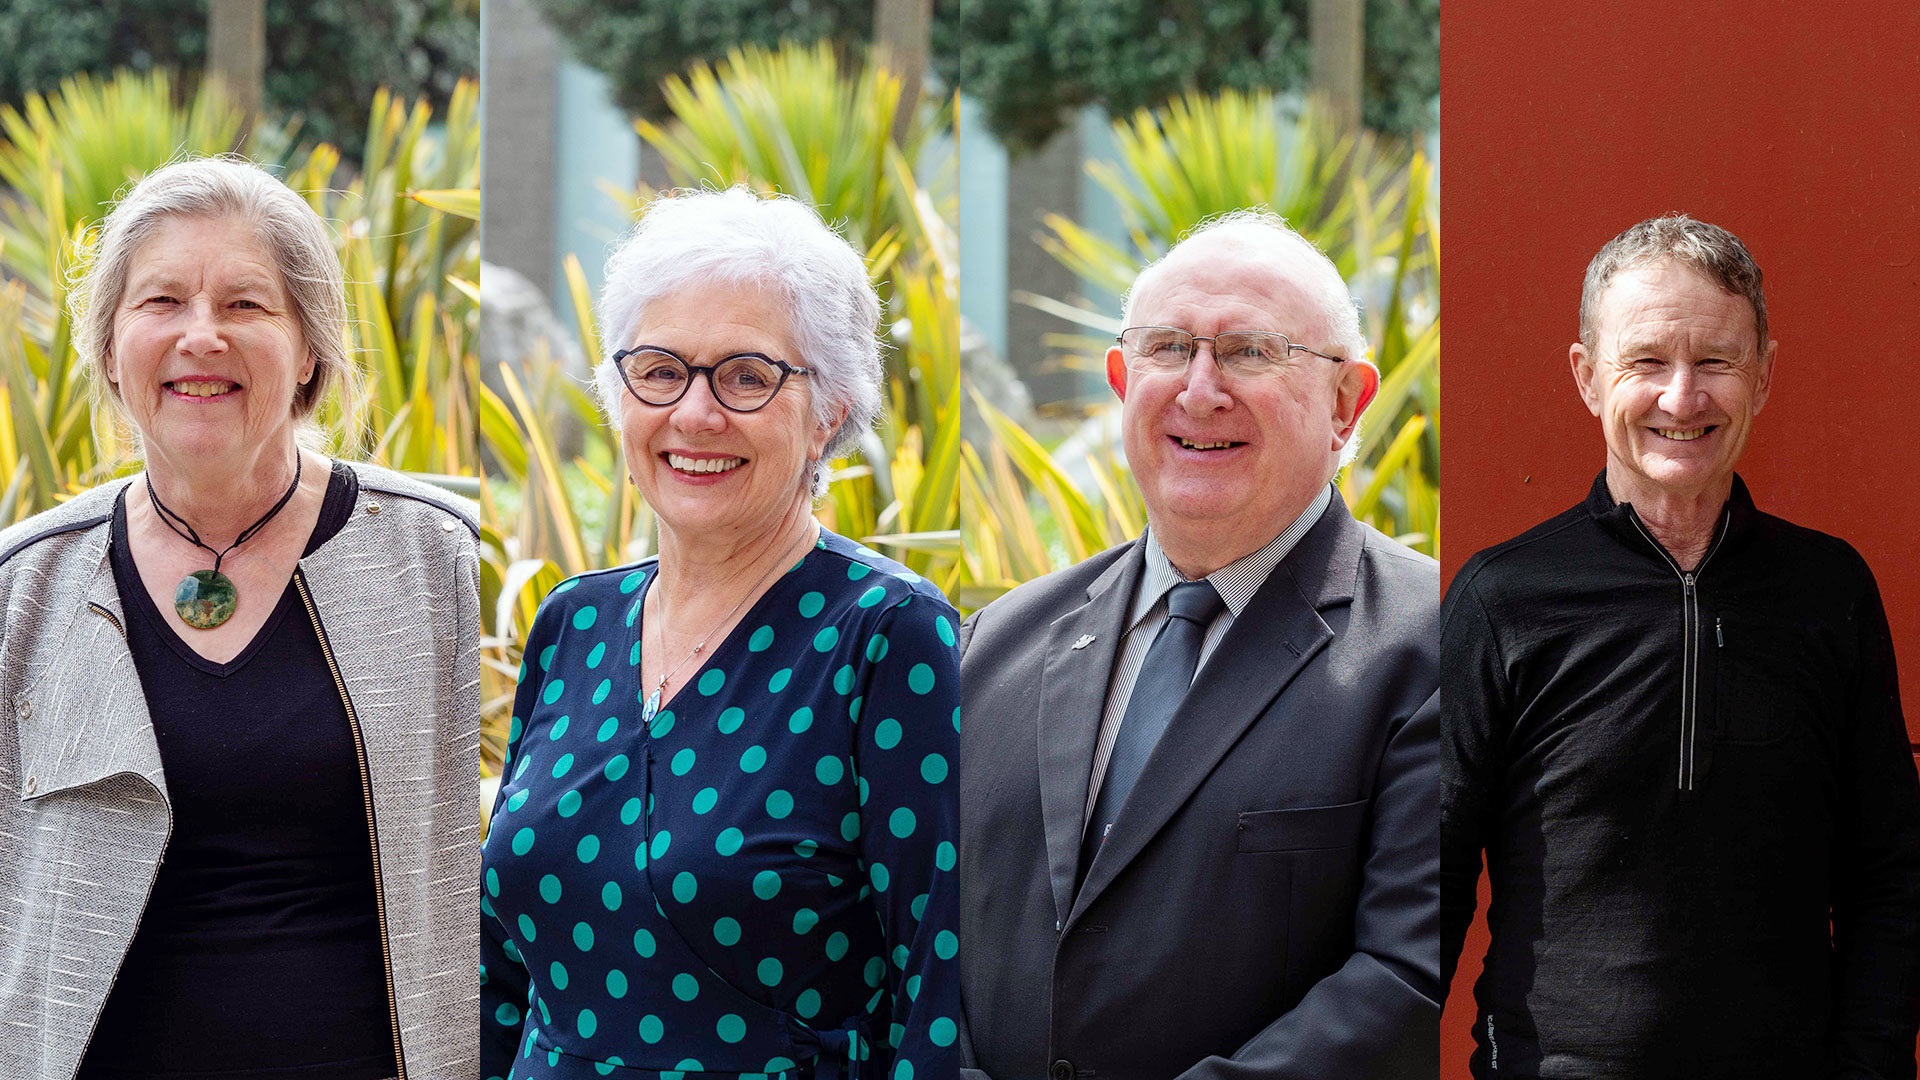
x=503 y=975
x=1876 y=893
x=1472 y=700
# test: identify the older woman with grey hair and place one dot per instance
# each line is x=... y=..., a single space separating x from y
x=724 y=840
x=238 y=691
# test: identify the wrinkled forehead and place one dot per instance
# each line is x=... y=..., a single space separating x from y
x=1208 y=285
x=1666 y=303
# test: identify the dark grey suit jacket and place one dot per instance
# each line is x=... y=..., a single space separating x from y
x=1267 y=904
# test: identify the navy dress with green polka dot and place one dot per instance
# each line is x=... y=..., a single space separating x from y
x=760 y=882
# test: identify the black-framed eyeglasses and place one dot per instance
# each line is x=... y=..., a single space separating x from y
x=1245 y=354
x=742 y=383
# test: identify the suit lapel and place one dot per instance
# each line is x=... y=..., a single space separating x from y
x=1073 y=695
x=1277 y=635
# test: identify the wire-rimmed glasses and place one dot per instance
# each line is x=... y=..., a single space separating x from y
x=742 y=383
x=1244 y=354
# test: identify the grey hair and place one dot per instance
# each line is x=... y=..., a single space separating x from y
x=1713 y=251
x=692 y=238
x=226 y=187
x=1260 y=229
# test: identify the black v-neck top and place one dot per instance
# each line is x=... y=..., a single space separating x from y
x=258 y=956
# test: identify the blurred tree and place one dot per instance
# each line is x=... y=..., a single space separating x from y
x=325 y=58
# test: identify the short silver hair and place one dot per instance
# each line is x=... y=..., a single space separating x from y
x=293 y=234
x=1262 y=230
x=1712 y=251
x=691 y=238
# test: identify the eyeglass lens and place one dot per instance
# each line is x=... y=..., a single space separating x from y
x=738 y=382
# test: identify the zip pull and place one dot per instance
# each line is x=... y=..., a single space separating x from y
x=1687 y=580
x=1719 y=639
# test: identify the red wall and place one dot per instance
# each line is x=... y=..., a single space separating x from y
x=1797 y=127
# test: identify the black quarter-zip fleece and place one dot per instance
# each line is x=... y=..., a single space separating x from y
x=1696 y=798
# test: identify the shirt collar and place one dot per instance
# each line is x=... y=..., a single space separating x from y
x=1237 y=581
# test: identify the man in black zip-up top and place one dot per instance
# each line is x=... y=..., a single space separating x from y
x=1673 y=724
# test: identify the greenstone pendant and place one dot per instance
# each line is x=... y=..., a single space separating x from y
x=205 y=599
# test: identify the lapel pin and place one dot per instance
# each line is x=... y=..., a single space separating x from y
x=1085 y=640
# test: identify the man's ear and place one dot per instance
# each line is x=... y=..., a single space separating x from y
x=1359 y=383
x=1117 y=371
x=1581 y=361
x=1764 y=385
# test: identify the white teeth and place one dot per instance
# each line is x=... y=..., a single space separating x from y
x=1678 y=435
x=1191 y=445
x=201 y=388
x=704 y=465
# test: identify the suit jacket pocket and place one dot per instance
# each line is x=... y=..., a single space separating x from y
x=1308 y=828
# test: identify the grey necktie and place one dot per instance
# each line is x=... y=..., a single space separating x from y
x=1162 y=684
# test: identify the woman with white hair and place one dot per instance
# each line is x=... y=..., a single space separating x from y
x=238 y=691
x=724 y=839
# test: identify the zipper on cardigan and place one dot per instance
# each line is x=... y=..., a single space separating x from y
x=147 y=898
x=107 y=615
x=373 y=836
x=1689 y=643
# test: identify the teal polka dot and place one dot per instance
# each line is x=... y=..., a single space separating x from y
x=837 y=946
x=880 y=876
x=856 y=571
x=779 y=1064
x=901 y=823
x=683 y=761
x=631 y=582
x=630 y=811
x=874 y=971
x=550 y=889
x=873 y=596
x=828 y=770
x=766 y=884
x=706 y=800
x=919 y=907
x=807 y=1004
x=523 y=841
x=727 y=932
x=811 y=604
x=608 y=729
x=515 y=725
x=761 y=640
x=651 y=1029
x=801 y=720
x=493 y=882
x=559 y=729
x=806 y=848
x=600 y=692
x=563 y=766
x=662 y=840
x=804 y=920
x=731 y=1028
x=686 y=987
x=850 y=827
x=780 y=680
x=920 y=679
x=517 y=800
x=557 y=975
x=902 y=1068
x=587 y=1024
x=583 y=937
x=588 y=849
x=554 y=688
x=598 y=654
x=610 y=897
x=779 y=804
x=933 y=768
x=729 y=841
x=944 y=630
x=713 y=679
x=569 y=804
x=944 y=856
x=753 y=760
x=526 y=929
x=616 y=767
x=945 y=944
x=546 y=659
x=886 y=734
x=731 y=719
x=826 y=639
x=843 y=679
x=507 y=1015
x=617 y=984
x=877 y=648
x=685 y=886
x=770 y=972
x=643 y=943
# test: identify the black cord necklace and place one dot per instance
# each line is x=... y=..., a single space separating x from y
x=206 y=598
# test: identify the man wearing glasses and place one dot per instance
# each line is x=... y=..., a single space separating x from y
x=1672 y=723
x=1199 y=771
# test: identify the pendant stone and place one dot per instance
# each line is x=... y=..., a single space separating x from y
x=205 y=599
x=651 y=707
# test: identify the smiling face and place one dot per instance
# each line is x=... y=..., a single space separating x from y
x=1676 y=375
x=206 y=350
x=1225 y=464
x=706 y=470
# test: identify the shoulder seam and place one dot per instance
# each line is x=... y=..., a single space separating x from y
x=77 y=526
x=465 y=519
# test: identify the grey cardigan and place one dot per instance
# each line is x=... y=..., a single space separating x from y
x=84 y=817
